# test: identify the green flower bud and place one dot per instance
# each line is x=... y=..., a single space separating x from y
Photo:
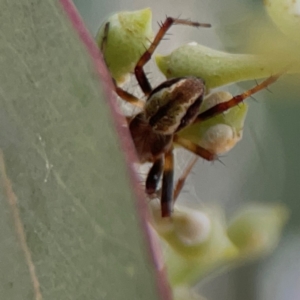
x=286 y=16
x=195 y=243
x=256 y=230
x=218 y=68
x=184 y=293
x=128 y=35
x=194 y=234
x=221 y=133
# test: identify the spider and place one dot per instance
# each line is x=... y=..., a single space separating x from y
x=170 y=107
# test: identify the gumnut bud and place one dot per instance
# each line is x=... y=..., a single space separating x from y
x=220 y=133
x=194 y=234
x=286 y=16
x=256 y=230
x=122 y=39
x=219 y=68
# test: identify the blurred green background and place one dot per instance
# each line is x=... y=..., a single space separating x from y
x=264 y=166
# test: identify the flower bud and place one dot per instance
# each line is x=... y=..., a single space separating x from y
x=128 y=35
x=286 y=16
x=194 y=234
x=256 y=230
x=220 y=133
x=218 y=68
x=185 y=292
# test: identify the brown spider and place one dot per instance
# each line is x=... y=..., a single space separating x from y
x=170 y=107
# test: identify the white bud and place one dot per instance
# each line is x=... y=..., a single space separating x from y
x=220 y=138
x=191 y=227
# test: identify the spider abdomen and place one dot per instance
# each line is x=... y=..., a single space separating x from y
x=174 y=104
x=149 y=145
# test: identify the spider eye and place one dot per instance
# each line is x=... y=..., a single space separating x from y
x=174 y=104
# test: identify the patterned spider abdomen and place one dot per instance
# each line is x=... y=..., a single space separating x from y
x=149 y=145
x=174 y=104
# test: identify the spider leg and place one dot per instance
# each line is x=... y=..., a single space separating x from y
x=181 y=181
x=222 y=107
x=128 y=97
x=154 y=175
x=196 y=149
x=167 y=185
x=164 y=27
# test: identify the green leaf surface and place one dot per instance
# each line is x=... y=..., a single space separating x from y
x=68 y=222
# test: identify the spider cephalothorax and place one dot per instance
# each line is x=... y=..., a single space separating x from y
x=169 y=108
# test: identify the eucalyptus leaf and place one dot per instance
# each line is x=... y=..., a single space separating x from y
x=69 y=224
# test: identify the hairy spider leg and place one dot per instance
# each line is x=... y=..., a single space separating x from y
x=166 y=199
x=154 y=175
x=164 y=27
x=236 y=100
x=181 y=180
x=194 y=148
x=168 y=194
x=128 y=97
